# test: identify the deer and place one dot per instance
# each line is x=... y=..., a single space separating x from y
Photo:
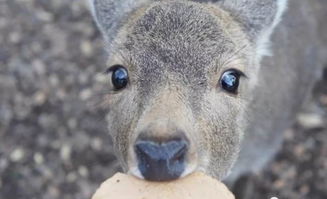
x=210 y=86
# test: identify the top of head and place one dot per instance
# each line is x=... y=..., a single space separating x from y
x=257 y=18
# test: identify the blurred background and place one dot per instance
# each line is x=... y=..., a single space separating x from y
x=53 y=144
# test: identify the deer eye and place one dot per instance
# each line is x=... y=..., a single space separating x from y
x=119 y=76
x=230 y=80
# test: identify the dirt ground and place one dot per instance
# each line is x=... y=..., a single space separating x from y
x=53 y=144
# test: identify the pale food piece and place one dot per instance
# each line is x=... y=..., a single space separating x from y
x=194 y=186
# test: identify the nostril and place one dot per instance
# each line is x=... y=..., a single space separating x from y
x=180 y=154
x=178 y=150
x=148 y=149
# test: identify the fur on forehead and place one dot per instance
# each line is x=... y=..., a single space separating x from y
x=181 y=37
x=258 y=18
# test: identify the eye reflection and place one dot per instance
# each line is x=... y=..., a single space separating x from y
x=119 y=76
x=230 y=80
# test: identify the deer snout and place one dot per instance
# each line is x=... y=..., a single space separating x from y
x=161 y=160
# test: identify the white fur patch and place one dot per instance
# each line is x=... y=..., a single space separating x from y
x=135 y=172
x=90 y=4
x=263 y=42
x=189 y=169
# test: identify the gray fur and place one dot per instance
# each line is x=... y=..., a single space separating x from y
x=254 y=15
x=111 y=15
x=285 y=80
x=175 y=52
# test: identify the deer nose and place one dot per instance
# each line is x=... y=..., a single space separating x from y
x=161 y=161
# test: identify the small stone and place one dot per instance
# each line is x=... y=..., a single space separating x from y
x=54 y=81
x=47 y=172
x=309 y=120
x=71 y=177
x=61 y=94
x=38 y=158
x=299 y=150
x=278 y=184
x=15 y=37
x=56 y=144
x=36 y=47
x=38 y=67
x=6 y=114
x=289 y=134
x=65 y=152
x=44 y=16
x=101 y=78
x=83 y=78
x=290 y=172
x=96 y=144
x=83 y=171
x=304 y=189
x=3 y=22
x=85 y=94
x=86 y=48
x=3 y=164
x=39 y=98
x=17 y=155
x=46 y=120
x=54 y=191
x=323 y=100
x=72 y=123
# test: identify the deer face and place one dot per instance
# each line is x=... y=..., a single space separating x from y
x=180 y=76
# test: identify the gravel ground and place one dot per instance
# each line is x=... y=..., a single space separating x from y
x=54 y=144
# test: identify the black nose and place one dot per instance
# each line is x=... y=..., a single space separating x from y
x=161 y=161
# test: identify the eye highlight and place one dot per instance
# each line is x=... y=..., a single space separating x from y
x=119 y=76
x=230 y=80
